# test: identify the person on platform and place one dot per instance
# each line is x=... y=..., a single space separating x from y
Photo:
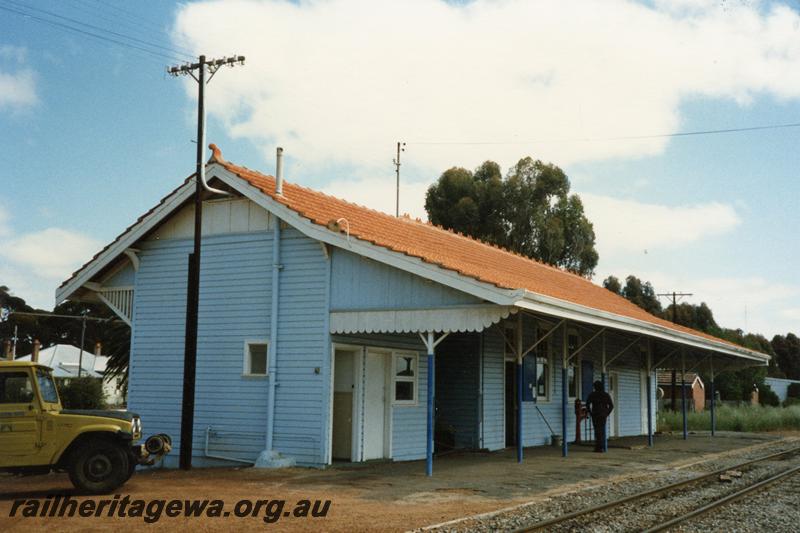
x=599 y=405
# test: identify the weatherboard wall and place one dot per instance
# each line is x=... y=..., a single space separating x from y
x=535 y=430
x=361 y=283
x=234 y=306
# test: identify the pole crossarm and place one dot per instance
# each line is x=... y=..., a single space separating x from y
x=625 y=349
x=585 y=344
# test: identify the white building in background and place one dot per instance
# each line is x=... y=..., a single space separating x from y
x=64 y=360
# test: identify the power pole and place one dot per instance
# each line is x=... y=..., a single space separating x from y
x=193 y=283
x=674 y=295
x=401 y=147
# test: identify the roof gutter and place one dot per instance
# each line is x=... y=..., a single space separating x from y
x=564 y=309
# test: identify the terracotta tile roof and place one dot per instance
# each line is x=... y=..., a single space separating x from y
x=449 y=250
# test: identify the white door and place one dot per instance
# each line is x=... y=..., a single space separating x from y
x=613 y=385
x=375 y=405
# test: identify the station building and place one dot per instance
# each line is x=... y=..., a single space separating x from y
x=332 y=332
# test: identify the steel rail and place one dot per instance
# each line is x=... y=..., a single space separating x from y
x=641 y=495
x=722 y=501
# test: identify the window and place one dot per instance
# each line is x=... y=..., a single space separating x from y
x=404 y=378
x=46 y=386
x=15 y=387
x=255 y=358
x=573 y=378
x=543 y=367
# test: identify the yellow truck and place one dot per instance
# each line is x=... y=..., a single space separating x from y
x=96 y=447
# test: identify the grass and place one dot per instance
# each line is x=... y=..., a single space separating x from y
x=751 y=419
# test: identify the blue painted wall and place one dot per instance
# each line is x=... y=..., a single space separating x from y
x=458 y=388
x=235 y=306
x=535 y=430
x=361 y=283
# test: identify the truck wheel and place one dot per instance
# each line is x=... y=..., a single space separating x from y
x=99 y=466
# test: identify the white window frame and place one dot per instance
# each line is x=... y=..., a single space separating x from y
x=574 y=362
x=246 y=358
x=395 y=379
x=547 y=343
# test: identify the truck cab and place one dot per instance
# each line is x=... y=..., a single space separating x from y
x=96 y=447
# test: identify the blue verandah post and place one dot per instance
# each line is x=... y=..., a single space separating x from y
x=649 y=408
x=713 y=401
x=683 y=397
x=431 y=382
x=603 y=381
x=649 y=393
x=519 y=412
x=565 y=351
x=519 y=386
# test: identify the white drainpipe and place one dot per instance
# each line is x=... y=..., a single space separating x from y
x=268 y=457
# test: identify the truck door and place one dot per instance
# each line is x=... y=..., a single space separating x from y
x=19 y=414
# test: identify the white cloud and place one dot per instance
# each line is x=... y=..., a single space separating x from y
x=340 y=81
x=33 y=264
x=628 y=225
x=18 y=87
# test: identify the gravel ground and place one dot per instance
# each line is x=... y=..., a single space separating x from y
x=629 y=518
x=776 y=509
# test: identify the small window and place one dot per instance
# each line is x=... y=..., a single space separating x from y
x=404 y=378
x=15 y=387
x=255 y=358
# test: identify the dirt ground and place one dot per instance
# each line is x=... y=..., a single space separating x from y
x=381 y=496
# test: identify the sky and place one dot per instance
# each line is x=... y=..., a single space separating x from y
x=93 y=133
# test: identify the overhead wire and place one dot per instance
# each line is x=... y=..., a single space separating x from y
x=618 y=138
x=17 y=9
x=127 y=19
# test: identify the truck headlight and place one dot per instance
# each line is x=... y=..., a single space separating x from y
x=136 y=428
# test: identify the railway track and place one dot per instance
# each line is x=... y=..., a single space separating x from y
x=564 y=521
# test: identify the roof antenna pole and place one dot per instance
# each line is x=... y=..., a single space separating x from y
x=193 y=282
x=401 y=147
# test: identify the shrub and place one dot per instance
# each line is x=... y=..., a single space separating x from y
x=788 y=402
x=81 y=393
x=766 y=396
x=793 y=391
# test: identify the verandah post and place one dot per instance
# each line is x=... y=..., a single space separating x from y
x=603 y=381
x=683 y=394
x=431 y=369
x=519 y=386
x=713 y=400
x=565 y=350
x=649 y=393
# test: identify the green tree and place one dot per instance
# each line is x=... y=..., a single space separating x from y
x=787 y=355
x=612 y=283
x=641 y=293
x=529 y=212
x=49 y=330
